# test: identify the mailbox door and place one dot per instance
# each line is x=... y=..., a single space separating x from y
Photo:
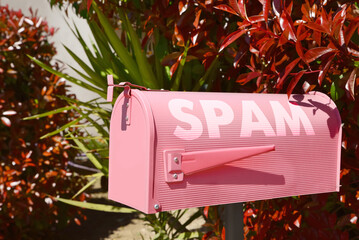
x=304 y=131
x=132 y=152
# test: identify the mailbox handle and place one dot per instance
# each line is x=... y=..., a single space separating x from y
x=193 y=162
x=127 y=85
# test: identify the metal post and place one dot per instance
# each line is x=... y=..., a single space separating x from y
x=233 y=221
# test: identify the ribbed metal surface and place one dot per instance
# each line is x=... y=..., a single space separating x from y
x=299 y=165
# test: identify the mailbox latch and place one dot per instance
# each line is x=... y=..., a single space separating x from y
x=179 y=163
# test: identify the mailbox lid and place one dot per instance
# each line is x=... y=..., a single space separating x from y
x=305 y=130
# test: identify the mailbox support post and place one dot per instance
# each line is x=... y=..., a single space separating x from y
x=233 y=221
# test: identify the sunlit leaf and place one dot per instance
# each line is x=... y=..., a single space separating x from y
x=9 y=113
x=287 y=70
x=315 y=53
x=62 y=128
x=231 y=38
x=118 y=46
x=234 y=6
x=97 y=206
x=242 y=8
x=325 y=69
x=286 y=23
x=89 y=2
x=349 y=86
x=96 y=177
x=226 y=8
x=144 y=67
x=266 y=4
x=71 y=79
x=294 y=82
x=6 y=121
x=59 y=110
x=89 y=155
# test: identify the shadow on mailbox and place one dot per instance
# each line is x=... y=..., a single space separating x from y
x=173 y=150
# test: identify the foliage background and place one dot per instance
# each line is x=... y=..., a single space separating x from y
x=32 y=170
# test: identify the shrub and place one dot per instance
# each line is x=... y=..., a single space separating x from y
x=31 y=169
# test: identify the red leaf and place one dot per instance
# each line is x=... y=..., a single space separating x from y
x=242 y=8
x=298 y=44
x=350 y=30
x=287 y=70
x=323 y=21
x=77 y=221
x=246 y=77
x=324 y=71
x=231 y=38
x=349 y=86
x=145 y=39
x=175 y=66
x=223 y=234
x=353 y=52
x=313 y=54
x=205 y=211
x=266 y=9
x=234 y=5
x=226 y=8
x=6 y=121
x=277 y=7
x=316 y=27
x=89 y=3
x=266 y=46
x=179 y=37
x=51 y=174
x=196 y=21
x=170 y=59
x=286 y=23
x=255 y=19
x=289 y=7
x=294 y=82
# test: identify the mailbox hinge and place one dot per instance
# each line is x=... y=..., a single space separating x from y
x=125 y=85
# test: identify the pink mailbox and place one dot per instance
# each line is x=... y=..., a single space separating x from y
x=173 y=150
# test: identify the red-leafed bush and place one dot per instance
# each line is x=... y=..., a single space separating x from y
x=31 y=170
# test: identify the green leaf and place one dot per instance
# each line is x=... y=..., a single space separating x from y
x=62 y=128
x=71 y=79
x=96 y=176
x=336 y=92
x=59 y=110
x=176 y=83
x=117 y=45
x=95 y=79
x=145 y=68
x=89 y=155
x=188 y=235
x=214 y=65
x=96 y=206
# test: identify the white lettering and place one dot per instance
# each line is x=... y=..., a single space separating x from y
x=213 y=120
x=250 y=108
x=298 y=116
x=175 y=106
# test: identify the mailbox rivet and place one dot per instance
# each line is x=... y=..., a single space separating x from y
x=175 y=176
x=156 y=206
x=175 y=159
